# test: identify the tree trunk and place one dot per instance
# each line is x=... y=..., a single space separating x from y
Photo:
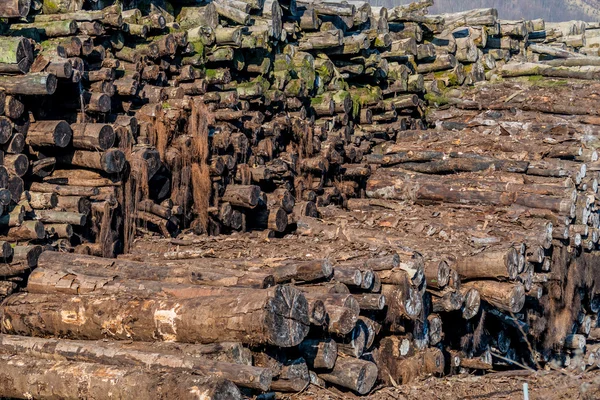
x=260 y=316
x=145 y=355
x=46 y=379
x=163 y=272
x=93 y=136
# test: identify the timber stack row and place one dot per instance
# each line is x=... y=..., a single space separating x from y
x=251 y=115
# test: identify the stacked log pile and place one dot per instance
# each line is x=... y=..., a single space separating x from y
x=478 y=237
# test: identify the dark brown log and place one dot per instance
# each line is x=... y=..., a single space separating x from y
x=354 y=374
x=242 y=195
x=284 y=325
x=319 y=353
x=505 y=296
x=29 y=230
x=502 y=264
x=111 y=161
x=76 y=204
x=402 y=300
x=13 y=108
x=16 y=164
x=61 y=231
x=93 y=136
x=62 y=190
x=29 y=255
x=15 y=145
x=49 y=133
x=40 y=201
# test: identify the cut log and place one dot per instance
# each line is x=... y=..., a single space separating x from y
x=278 y=316
x=145 y=355
x=319 y=353
x=93 y=136
x=72 y=380
x=165 y=272
x=354 y=374
x=111 y=161
x=15 y=8
x=508 y=297
x=49 y=133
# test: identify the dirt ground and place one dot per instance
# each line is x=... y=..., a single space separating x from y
x=545 y=385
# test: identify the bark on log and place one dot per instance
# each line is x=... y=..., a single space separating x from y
x=319 y=354
x=164 y=272
x=277 y=316
x=72 y=380
x=15 y=8
x=17 y=55
x=93 y=136
x=49 y=133
x=145 y=355
x=354 y=374
x=505 y=296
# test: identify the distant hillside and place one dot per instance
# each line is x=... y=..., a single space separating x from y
x=549 y=10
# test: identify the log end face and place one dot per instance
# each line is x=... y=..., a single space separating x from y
x=113 y=161
x=62 y=134
x=367 y=378
x=318 y=313
x=51 y=84
x=517 y=298
x=106 y=137
x=33 y=255
x=220 y=389
x=7 y=250
x=327 y=268
x=5 y=130
x=287 y=321
x=5 y=197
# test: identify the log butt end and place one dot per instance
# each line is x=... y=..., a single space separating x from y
x=287 y=322
x=62 y=134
